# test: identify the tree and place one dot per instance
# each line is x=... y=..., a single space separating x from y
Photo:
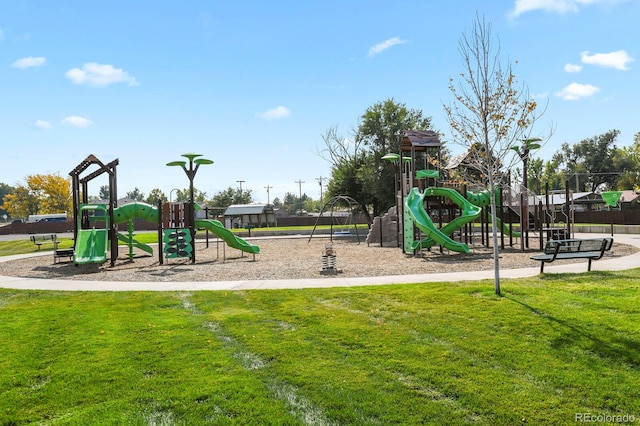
x=591 y=162
x=231 y=196
x=156 y=195
x=136 y=194
x=182 y=195
x=358 y=169
x=104 y=192
x=40 y=194
x=4 y=191
x=380 y=130
x=491 y=114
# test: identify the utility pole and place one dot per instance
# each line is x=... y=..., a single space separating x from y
x=320 y=180
x=268 y=188
x=240 y=182
x=300 y=182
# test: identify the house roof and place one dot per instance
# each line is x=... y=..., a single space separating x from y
x=628 y=196
x=242 y=209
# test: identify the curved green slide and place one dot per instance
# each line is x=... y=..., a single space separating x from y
x=227 y=236
x=415 y=206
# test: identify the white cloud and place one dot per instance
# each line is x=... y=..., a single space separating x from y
x=276 y=113
x=76 y=121
x=575 y=91
x=572 y=68
x=42 y=125
x=29 y=62
x=381 y=47
x=1 y=34
x=557 y=6
x=95 y=74
x=618 y=59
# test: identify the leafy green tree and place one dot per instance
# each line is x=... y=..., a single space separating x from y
x=380 y=130
x=155 y=195
x=231 y=196
x=358 y=169
x=136 y=194
x=182 y=195
x=104 y=192
x=491 y=114
x=591 y=162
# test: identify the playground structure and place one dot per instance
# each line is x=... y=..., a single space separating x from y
x=431 y=211
x=96 y=224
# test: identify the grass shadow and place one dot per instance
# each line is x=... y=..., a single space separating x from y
x=615 y=348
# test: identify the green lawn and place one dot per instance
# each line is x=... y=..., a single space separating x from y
x=550 y=348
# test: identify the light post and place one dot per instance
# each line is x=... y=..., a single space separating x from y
x=191 y=174
x=300 y=182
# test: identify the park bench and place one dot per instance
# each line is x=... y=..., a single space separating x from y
x=589 y=248
x=40 y=239
x=60 y=253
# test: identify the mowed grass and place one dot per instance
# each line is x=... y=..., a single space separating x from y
x=448 y=353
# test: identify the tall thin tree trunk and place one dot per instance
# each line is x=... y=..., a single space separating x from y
x=494 y=231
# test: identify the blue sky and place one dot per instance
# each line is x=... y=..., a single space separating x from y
x=253 y=85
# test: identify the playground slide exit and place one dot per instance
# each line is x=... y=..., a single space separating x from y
x=415 y=206
x=91 y=244
x=226 y=235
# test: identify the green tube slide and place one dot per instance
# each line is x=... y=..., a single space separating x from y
x=415 y=206
x=226 y=235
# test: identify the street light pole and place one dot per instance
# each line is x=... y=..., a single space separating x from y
x=191 y=174
x=300 y=182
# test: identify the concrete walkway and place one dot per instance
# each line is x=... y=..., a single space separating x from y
x=605 y=264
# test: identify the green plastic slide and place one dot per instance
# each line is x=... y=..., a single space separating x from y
x=91 y=244
x=415 y=206
x=227 y=236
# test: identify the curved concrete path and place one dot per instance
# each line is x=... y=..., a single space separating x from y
x=605 y=264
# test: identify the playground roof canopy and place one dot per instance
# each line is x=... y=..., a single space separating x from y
x=419 y=140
